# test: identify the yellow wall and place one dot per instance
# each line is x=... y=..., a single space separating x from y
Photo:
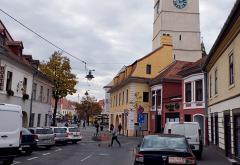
x=158 y=61
x=224 y=89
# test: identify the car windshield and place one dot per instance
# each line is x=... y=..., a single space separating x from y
x=44 y=131
x=158 y=142
x=74 y=130
x=60 y=130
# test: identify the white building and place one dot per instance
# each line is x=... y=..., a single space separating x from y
x=107 y=99
x=16 y=81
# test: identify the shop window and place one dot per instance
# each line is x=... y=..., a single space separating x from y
x=153 y=98
x=9 y=81
x=159 y=98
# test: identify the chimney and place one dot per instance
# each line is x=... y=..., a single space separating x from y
x=166 y=40
x=16 y=47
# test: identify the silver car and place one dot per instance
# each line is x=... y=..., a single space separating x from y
x=43 y=136
x=60 y=134
x=74 y=134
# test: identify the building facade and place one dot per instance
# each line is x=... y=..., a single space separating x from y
x=18 y=74
x=223 y=69
x=181 y=20
x=130 y=91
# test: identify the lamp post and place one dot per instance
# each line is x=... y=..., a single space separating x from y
x=86 y=94
x=90 y=76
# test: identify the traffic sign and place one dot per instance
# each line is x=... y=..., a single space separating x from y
x=141 y=118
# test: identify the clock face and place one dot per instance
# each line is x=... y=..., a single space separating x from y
x=180 y=4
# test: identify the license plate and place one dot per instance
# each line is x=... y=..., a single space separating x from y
x=176 y=160
x=25 y=146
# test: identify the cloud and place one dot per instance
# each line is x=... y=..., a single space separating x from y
x=107 y=34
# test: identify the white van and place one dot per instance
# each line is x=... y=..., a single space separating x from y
x=10 y=132
x=192 y=132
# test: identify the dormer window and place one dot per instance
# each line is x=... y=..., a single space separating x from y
x=148 y=69
x=1 y=40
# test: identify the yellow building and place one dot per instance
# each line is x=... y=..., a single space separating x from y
x=130 y=91
x=223 y=69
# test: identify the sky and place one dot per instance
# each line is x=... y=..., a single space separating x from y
x=106 y=34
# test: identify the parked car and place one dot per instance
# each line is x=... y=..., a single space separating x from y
x=10 y=132
x=44 y=137
x=73 y=134
x=28 y=141
x=191 y=130
x=60 y=134
x=164 y=149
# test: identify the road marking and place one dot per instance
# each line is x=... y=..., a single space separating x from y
x=15 y=162
x=89 y=156
x=46 y=154
x=58 y=149
x=104 y=154
x=33 y=158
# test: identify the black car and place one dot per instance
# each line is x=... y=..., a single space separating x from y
x=28 y=142
x=164 y=150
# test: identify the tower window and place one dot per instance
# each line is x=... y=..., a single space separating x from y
x=180 y=37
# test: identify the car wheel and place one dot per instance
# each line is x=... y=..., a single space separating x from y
x=8 y=162
x=29 y=152
x=199 y=155
x=48 y=147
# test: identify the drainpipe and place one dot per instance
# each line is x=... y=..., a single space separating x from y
x=206 y=105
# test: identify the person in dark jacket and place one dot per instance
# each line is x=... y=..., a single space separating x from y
x=114 y=135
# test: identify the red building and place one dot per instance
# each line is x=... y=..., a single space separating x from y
x=166 y=90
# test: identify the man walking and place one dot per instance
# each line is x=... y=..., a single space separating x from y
x=114 y=135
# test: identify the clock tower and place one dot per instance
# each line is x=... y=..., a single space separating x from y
x=180 y=19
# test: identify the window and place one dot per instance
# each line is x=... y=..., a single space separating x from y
x=24 y=85
x=148 y=69
x=9 y=81
x=180 y=37
x=127 y=97
x=159 y=98
x=119 y=101
x=34 y=91
x=153 y=98
x=188 y=92
x=210 y=86
x=123 y=98
x=145 y=96
x=32 y=119
x=216 y=82
x=199 y=90
x=157 y=8
x=41 y=94
x=48 y=95
x=116 y=100
x=39 y=120
x=2 y=72
x=231 y=70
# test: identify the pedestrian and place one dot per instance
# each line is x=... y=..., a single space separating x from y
x=97 y=128
x=119 y=128
x=84 y=124
x=66 y=124
x=114 y=135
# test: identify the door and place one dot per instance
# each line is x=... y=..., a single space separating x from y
x=212 y=133
x=237 y=135
x=227 y=130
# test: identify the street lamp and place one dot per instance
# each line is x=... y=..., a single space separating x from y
x=90 y=76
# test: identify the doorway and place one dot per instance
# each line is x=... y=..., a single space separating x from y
x=227 y=130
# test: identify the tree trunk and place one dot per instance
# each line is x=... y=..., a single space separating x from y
x=55 y=112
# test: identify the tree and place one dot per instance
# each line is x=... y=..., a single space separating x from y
x=88 y=107
x=59 y=70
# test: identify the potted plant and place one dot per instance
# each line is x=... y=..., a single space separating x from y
x=10 y=92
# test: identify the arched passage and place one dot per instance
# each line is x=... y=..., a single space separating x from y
x=25 y=119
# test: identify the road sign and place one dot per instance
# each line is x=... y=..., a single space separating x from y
x=140 y=109
x=141 y=118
